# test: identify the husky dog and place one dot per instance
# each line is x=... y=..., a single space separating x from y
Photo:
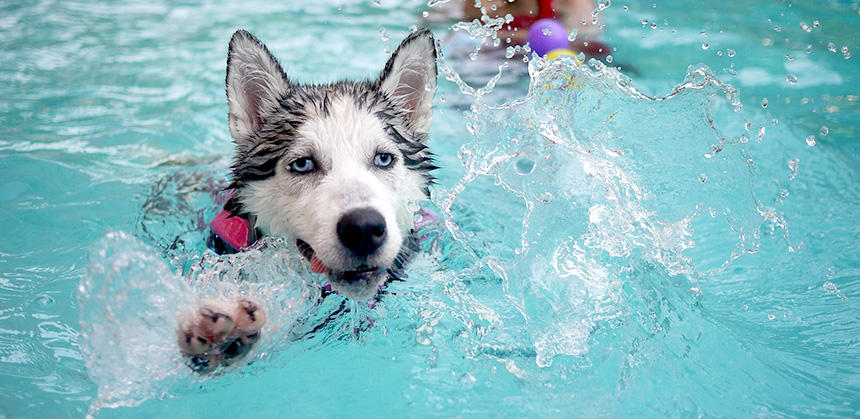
x=339 y=168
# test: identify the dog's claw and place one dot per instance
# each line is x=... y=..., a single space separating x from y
x=251 y=317
x=220 y=332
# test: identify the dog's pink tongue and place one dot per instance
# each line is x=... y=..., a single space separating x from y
x=317 y=265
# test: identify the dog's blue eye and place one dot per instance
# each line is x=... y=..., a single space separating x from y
x=383 y=159
x=302 y=165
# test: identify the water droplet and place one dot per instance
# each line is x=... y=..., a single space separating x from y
x=824 y=131
x=572 y=35
x=603 y=5
x=809 y=49
x=791 y=78
x=771 y=317
x=653 y=25
x=810 y=141
x=509 y=52
x=44 y=300
x=705 y=45
x=546 y=32
x=793 y=165
x=730 y=52
x=831 y=47
x=596 y=65
x=377 y=2
x=783 y=193
x=703 y=178
x=777 y=29
x=383 y=34
x=609 y=58
x=644 y=22
x=747 y=125
x=626 y=8
x=764 y=102
x=719 y=53
x=525 y=165
x=805 y=27
x=789 y=58
x=425 y=14
x=845 y=53
x=815 y=23
x=468 y=378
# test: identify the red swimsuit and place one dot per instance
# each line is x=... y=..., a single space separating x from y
x=544 y=10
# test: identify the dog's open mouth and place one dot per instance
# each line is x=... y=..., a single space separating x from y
x=358 y=274
x=358 y=284
x=362 y=273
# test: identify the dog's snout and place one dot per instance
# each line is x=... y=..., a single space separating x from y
x=362 y=231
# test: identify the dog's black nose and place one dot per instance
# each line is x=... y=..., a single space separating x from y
x=361 y=231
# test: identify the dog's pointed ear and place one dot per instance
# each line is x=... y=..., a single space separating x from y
x=255 y=84
x=409 y=78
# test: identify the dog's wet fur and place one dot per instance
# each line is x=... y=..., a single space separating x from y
x=339 y=168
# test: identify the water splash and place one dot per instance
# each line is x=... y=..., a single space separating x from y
x=594 y=185
x=130 y=301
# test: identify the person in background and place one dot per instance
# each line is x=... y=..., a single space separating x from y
x=579 y=15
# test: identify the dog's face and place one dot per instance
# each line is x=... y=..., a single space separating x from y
x=340 y=168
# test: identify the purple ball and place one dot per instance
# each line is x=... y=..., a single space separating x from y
x=546 y=35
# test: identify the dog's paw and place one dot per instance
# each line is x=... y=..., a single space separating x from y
x=220 y=332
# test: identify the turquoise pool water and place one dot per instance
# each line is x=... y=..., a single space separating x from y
x=655 y=242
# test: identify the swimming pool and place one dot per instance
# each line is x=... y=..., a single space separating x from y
x=603 y=252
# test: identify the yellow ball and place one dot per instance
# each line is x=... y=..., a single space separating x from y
x=558 y=52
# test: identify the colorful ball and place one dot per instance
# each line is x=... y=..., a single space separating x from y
x=558 y=52
x=546 y=35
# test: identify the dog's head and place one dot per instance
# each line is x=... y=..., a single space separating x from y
x=340 y=167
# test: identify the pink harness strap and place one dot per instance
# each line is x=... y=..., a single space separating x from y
x=233 y=230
